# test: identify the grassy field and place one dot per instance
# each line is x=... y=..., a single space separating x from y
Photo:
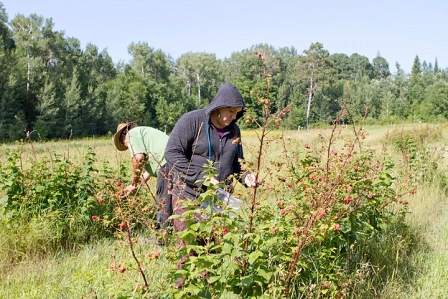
x=90 y=270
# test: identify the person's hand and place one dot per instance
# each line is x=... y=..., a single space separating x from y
x=128 y=189
x=251 y=180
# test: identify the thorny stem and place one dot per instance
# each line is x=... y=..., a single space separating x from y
x=301 y=245
x=335 y=125
x=360 y=127
x=28 y=137
x=128 y=230
x=266 y=110
x=129 y=237
x=131 y=246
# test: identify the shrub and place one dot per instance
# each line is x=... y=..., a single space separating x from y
x=307 y=231
x=60 y=202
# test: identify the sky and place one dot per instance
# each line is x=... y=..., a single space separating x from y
x=398 y=30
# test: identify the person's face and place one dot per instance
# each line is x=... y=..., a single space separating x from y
x=123 y=137
x=227 y=115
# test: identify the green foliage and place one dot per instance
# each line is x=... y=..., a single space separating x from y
x=328 y=215
x=63 y=201
x=370 y=244
x=419 y=159
x=199 y=73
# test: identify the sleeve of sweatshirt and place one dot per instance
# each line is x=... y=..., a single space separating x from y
x=178 y=149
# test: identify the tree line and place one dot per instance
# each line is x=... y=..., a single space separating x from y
x=50 y=85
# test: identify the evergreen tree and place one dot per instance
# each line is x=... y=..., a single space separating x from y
x=416 y=67
x=380 y=67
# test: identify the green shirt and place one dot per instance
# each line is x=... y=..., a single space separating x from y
x=148 y=141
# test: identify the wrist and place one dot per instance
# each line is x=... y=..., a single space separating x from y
x=135 y=180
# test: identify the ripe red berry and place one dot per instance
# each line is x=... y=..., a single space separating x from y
x=283 y=212
x=122 y=269
x=118 y=184
x=122 y=225
x=100 y=201
x=225 y=230
x=94 y=218
x=336 y=227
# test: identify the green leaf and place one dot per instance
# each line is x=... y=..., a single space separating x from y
x=227 y=248
x=193 y=289
x=266 y=275
x=213 y=279
x=247 y=281
x=254 y=256
x=40 y=188
x=195 y=226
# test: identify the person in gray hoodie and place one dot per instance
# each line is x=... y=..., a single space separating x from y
x=208 y=134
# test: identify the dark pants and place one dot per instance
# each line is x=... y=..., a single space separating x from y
x=179 y=223
x=178 y=209
x=164 y=197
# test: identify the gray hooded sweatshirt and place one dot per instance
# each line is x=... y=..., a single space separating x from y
x=194 y=140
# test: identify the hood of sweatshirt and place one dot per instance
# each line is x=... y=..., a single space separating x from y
x=227 y=96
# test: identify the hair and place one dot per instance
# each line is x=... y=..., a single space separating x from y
x=128 y=127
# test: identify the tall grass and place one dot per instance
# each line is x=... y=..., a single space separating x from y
x=427 y=273
x=91 y=272
x=74 y=150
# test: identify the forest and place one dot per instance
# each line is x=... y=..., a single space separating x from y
x=51 y=87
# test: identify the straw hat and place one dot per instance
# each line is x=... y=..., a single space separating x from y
x=120 y=146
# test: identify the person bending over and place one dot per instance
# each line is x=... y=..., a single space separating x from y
x=147 y=147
